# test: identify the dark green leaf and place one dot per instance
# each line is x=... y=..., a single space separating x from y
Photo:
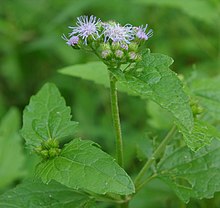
x=154 y=80
x=192 y=175
x=201 y=135
x=47 y=117
x=82 y=165
x=35 y=194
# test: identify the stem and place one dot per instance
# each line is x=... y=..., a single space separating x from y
x=145 y=182
x=116 y=119
x=154 y=156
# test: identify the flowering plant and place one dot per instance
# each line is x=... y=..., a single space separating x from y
x=79 y=168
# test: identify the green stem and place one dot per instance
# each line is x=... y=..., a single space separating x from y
x=154 y=156
x=116 y=119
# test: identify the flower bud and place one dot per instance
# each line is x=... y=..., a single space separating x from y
x=116 y=46
x=119 y=54
x=44 y=154
x=132 y=55
x=105 y=54
x=53 y=152
x=105 y=46
x=133 y=46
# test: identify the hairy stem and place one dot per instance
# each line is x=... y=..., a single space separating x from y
x=116 y=119
x=154 y=156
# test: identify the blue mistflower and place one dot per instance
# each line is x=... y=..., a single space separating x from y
x=117 y=33
x=72 y=41
x=141 y=32
x=86 y=26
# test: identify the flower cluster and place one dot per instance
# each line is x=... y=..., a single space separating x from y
x=113 y=43
x=48 y=149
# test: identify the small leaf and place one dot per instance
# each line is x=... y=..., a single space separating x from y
x=192 y=175
x=35 y=194
x=154 y=80
x=11 y=155
x=47 y=117
x=82 y=165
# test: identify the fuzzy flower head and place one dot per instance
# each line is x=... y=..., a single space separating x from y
x=71 y=41
x=141 y=32
x=117 y=33
x=86 y=26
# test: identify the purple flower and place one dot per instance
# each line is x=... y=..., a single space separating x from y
x=86 y=26
x=141 y=32
x=117 y=33
x=72 y=41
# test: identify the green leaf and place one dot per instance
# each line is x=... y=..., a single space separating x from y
x=154 y=80
x=11 y=155
x=201 y=135
x=47 y=117
x=35 y=194
x=93 y=71
x=199 y=9
x=82 y=165
x=192 y=175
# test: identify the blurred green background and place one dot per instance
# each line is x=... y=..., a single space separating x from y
x=32 y=51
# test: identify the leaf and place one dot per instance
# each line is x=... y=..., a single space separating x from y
x=192 y=175
x=46 y=117
x=82 y=165
x=201 y=135
x=92 y=71
x=199 y=9
x=11 y=155
x=154 y=80
x=35 y=194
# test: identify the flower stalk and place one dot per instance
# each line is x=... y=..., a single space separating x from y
x=116 y=119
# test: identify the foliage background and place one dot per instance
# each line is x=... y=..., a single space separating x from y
x=32 y=51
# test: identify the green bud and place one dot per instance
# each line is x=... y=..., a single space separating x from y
x=106 y=53
x=53 y=152
x=50 y=143
x=44 y=154
x=133 y=47
x=119 y=54
x=116 y=46
x=105 y=46
x=196 y=108
x=132 y=56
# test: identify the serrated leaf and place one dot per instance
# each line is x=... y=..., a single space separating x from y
x=35 y=194
x=11 y=155
x=47 y=116
x=199 y=9
x=201 y=135
x=82 y=165
x=154 y=80
x=192 y=175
